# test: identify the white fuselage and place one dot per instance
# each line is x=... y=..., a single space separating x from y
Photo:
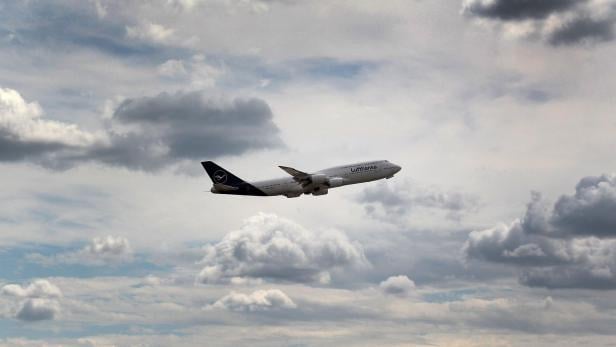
x=331 y=178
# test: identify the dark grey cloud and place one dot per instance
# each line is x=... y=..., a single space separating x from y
x=147 y=133
x=517 y=9
x=33 y=310
x=571 y=245
x=273 y=248
x=584 y=28
x=591 y=211
x=571 y=276
x=557 y=22
x=402 y=199
x=14 y=149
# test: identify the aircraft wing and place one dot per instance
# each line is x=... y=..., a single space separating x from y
x=299 y=176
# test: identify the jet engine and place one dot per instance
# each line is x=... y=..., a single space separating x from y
x=319 y=191
x=318 y=179
x=335 y=182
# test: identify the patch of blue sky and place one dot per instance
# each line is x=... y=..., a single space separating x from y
x=247 y=71
x=19 y=265
x=333 y=68
x=250 y=71
x=57 y=26
x=451 y=295
x=84 y=198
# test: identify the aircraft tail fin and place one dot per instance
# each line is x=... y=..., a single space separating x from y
x=221 y=176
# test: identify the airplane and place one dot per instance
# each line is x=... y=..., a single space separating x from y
x=299 y=182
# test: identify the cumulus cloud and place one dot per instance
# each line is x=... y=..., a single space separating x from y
x=33 y=310
x=397 y=285
x=260 y=300
x=37 y=289
x=570 y=245
x=557 y=22
x=400 y=200
x=100 y=251
x=275 y=248
x=24 y=133
x=590 y=211
x=169 y=127
x=39 y=300
x=147 y=133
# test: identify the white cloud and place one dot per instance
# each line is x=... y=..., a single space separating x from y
x=108 y=246
x=104 y=250
x=37 y=289
x=399 y=285
x=151 y=32
x=271 y=247
x=172 y=68
x=39 y=300
x=23 y=121
x=260 y=300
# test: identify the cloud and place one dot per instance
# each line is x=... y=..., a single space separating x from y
x=100 y=251
x=260 y=300
x=33 y=310
x=24 y=134
x=590 y=212
x=103 y=246
x=582 y=28
x=397 y=285
x=147 y=31
x=274 y=248
x=570 y=246
x=39 y=300
x=557 y=22
x=77 y=25
x=172 y=68
x=37 y=289
x=147 y=133
x=400 y=200
x=150 y=131
x=516 y=10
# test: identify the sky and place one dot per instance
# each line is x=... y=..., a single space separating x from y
x=500 y=229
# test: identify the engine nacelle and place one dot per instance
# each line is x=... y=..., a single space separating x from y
x=320 y=191
x=318 y=179
x=335 y=182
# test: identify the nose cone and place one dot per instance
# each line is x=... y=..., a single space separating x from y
x=396 y=168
